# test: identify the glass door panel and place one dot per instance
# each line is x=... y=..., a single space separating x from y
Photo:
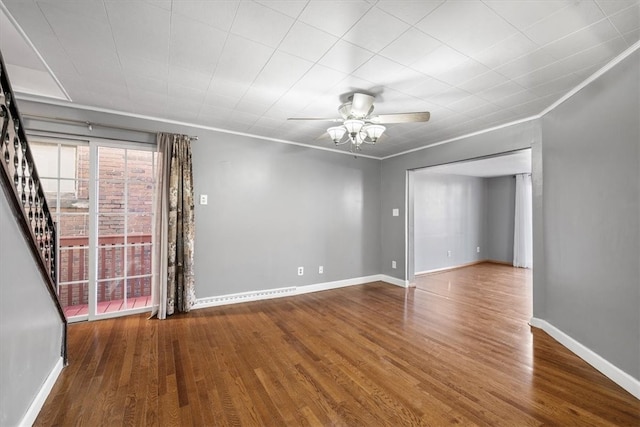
x=124 y=212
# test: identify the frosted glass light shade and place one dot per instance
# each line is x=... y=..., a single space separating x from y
x=353 y=126
x=374 y=131
x=336 y=133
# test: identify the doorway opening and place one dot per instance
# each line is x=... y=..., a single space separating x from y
x=464 y=213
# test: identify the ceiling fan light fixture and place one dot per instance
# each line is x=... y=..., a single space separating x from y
x=374 y=131
x=336 y=133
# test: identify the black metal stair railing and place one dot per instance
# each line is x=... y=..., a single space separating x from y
x=21 y=184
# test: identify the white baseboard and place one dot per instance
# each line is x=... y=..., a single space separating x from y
x=293 y=290
x=615 y=374
x=394 y=281
x=35 y=407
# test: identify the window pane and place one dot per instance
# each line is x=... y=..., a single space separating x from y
x=139 y=165
x=45 y=157
x=138 y=259
x=74 y=263
x=110 y=291
x=139 y=292
x=110 y=261
x=73 y=294
x=70 y=199
x=111 y=163
x=140 y=197
x=111 y=196
x=139 y=225
x=111 y=225
x=50 y=187
x=73 y=229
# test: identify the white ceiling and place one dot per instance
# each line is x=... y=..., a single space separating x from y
x=246 y=66
x=507 y=164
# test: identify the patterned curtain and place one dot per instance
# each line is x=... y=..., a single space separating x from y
x=173 y=285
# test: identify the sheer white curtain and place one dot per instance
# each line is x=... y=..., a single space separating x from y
x=523 y=226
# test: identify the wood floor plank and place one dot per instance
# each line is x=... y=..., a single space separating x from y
x=455 y=350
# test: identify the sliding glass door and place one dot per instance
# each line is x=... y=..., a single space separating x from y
x=102 y=197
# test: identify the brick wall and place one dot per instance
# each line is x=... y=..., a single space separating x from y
x=115 y=215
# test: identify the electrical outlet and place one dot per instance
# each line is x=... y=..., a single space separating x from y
x=448 y=254
x=203 y=199
x=478 y=249
x=393 y=264
x=320 y=270
x=300 y=271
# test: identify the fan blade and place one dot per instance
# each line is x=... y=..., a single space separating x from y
x=401 y=117
x=318 y=119
x=361 y=105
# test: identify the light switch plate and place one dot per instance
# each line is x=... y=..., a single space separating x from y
x=395 y=212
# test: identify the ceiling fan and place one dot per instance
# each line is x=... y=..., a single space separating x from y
x=358 y=123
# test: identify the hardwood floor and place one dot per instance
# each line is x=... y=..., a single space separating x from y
x=457 y=349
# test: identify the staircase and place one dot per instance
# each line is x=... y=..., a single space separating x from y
x=20 y=182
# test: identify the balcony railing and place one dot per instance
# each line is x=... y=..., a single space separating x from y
x=21 y=184
x=122 y=282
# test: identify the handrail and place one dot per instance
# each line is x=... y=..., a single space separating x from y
x=21 y=184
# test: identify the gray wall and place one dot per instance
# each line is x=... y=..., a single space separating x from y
x=393 y=182
x=30 y=327
x=274 y=207
x=501 y=211
x=460 y=213
x=449 y=215
x=591 y=159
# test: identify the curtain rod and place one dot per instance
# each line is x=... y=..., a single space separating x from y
x=90 y=124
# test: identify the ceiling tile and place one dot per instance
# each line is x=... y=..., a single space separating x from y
x=585 y=38
x=242 y=67
x=526 y=64
x=466 y=71
x=282 y=71
x=379 y=70
x=307 y=42
x=572 y=18
x=140 y=29
x=632 y=37
x=515 y=99
x=501 y=91
x=406 y=80
x=409 y=11
x=439 y=61
x=290 y=8
x=386 y=29
x=610 y=7
x=466 y=26
x=524 y=13
x=219 y=14
x=482 y=82
x=201 y=56
x=272 y=28
x=323 y=15
x=345 y=57
x=562 y=84
x=189 y=77
x=430 y=87
x=216 y=100
x=315 y=83
x=147 y=83
x=134 y=65
x=448 y=97
x=79 y=34
x=505 y=51
x=406 y=48
x=628 y=19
